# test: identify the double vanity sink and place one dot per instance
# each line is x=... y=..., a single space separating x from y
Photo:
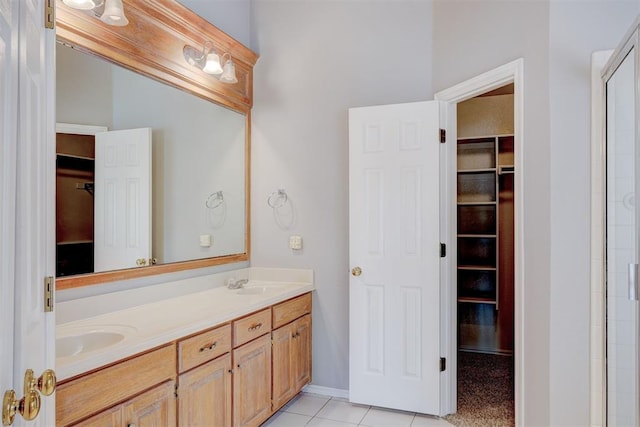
x=87 y=343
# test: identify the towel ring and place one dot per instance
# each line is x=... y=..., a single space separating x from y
x=214 y=200
x=277 y=199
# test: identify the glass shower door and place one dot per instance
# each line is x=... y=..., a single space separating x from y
x=622 y=253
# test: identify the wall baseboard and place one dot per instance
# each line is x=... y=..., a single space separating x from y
x=326 y=391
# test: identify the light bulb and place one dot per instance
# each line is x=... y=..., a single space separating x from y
x=212 y=66
x=229 y=73
x=114 y=13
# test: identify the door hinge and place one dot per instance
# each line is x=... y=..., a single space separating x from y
x=48 y=294
x=49 y=14
x=443 y=364
x=443 y=136
x=443 y=250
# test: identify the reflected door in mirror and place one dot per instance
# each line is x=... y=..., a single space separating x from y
x=122 y=199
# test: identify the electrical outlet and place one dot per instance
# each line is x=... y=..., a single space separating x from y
x=295 y=243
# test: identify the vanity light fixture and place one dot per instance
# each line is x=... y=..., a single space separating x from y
x=114 y=13
x=209 y=61
x=112 y=10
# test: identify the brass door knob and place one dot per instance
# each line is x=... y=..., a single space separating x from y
x=45 y=383
x=29 y=405
x=356 y=271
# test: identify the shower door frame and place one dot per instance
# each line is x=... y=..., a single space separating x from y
x=604 y=66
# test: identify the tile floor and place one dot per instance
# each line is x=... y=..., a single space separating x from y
x=314 y=410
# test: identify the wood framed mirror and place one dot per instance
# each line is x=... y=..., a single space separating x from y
x=151 y=45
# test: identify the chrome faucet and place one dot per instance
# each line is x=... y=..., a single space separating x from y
x=231 y=284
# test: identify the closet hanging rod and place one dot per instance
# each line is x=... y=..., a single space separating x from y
x=504 y=170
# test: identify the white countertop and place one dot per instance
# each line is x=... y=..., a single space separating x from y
x=150 y=325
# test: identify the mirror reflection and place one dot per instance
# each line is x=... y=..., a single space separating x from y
x=146 y=172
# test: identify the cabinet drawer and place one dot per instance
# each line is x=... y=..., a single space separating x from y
x=203 y=347
x=101 y=389
x=287 y=311
x=250 y=327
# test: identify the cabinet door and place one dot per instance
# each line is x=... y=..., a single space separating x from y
x=283 y=385
x=109 y=418
x=156 y=407
x=204 y=395
x=301 y=353
x=252 y=382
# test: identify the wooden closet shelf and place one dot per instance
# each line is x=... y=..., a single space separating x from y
x=476 y=267
x=477 y=300
x=487 y=203
x=479 y=170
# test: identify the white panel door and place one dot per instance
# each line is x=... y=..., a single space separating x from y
x=34 y=203
x=8 y=133
x=394 y=222
x=122 y=211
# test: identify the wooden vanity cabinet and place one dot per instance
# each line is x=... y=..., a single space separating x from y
x=291 y=349
x=204 y=383
x=120 y=387
x=291 y=360
x=204 y=394
x=155 y=407
x=237 y=374
x=252 y=369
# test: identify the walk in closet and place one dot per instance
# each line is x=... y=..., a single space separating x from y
x=74 y=203
x=485 y=163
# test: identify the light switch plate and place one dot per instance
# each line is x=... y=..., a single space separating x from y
x=295 y=242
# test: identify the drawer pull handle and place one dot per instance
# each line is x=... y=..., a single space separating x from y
x=255 y=327
x=209 y=347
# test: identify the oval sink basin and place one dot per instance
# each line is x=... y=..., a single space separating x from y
x=90 y=341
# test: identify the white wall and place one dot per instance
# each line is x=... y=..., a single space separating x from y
x=318 y=58
x=556 y=40
x=472 y=37
x=231 y=16
x=576 y=30
x=83 y=89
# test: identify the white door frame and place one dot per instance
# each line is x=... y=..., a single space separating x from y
x=512 y=72
x=598 y=382
x=79 y=129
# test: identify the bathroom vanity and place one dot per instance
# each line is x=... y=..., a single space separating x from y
x=218 y=357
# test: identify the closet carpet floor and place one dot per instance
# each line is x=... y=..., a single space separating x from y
x=485 y=391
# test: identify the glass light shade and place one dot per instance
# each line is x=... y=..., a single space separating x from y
x=80 y=4
x=212 y=66
x=114 y=13
x=229 y=73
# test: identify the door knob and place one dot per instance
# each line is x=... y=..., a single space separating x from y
x=45 y=383
x=356 y=271
x=29 y=405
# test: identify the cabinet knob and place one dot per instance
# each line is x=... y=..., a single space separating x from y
x=356 y=271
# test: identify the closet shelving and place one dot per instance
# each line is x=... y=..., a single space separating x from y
x=483 y=165
x=75 y=166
